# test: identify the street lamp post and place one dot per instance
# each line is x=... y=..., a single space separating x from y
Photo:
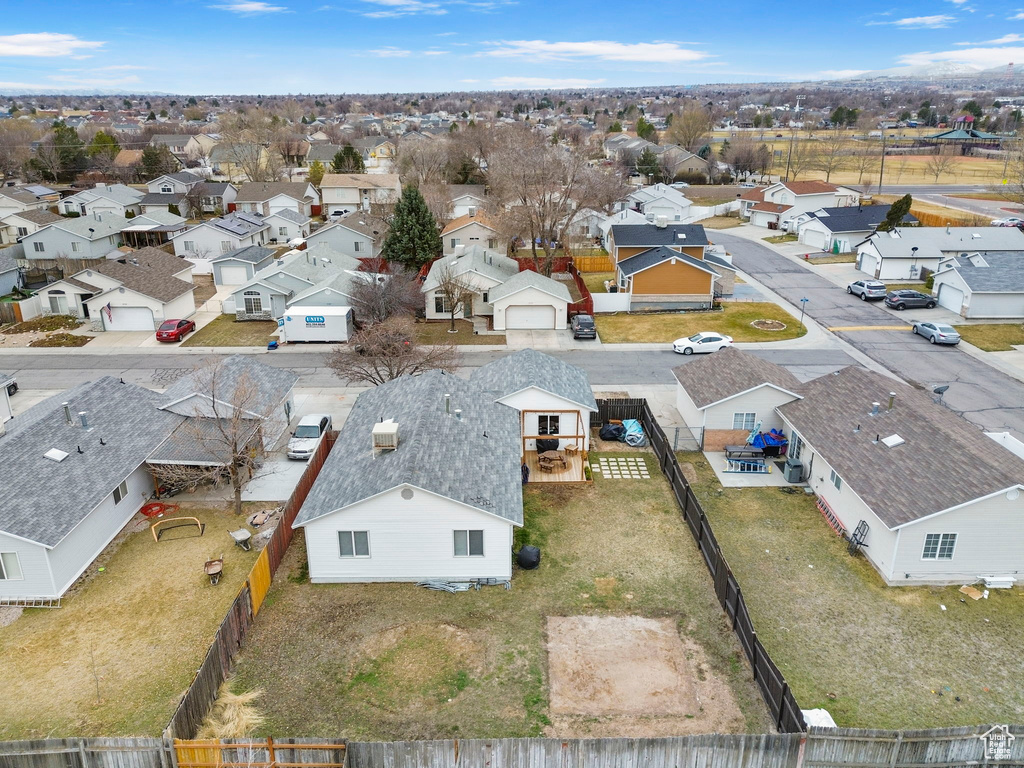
x=803 y=306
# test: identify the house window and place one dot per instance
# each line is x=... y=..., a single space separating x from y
x=120 y=492
x=10 y=567
x=357 y=246
x=939 y=546
x=796 y=447
x=487 y=297
x=225 y=246
x=441 y=305
x=58 y=304
x=354 y=543
x=469 y=543
x=38 y=247
x=166 y=189
x=22 y=231
x=547 y=425
x=253 y=302
x=492 y=243
x=744 y=421
x=455 y=241
x=76 y=247
x=282 y=231
x=190 y=246
x=836 y=480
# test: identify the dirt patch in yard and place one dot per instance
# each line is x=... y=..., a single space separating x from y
x=630 y=675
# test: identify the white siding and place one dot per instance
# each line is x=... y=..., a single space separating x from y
x=410 y=540
x=996 y=305
x=183 y=306
x=473 y=233
x=533 y=399
x=693 y=417
x=530 y=297
x=82 y=545
x=762 y=402
x=35 y=568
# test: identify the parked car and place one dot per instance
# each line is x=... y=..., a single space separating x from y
x=905 y=298
x=174 y=330
x=582 y=327
x=699 y=343
x=747 y=185
x=679 y=185
x=1009 y=221
x=867 y=289
x=337 y=214
x=307 y=435
x=937 y=333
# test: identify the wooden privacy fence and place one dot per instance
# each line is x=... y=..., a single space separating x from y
x=87 y=753
x=602 y=263
x=260 y=753
x=586 y=304
x=202 y=691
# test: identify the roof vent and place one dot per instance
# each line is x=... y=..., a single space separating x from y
x=84 y=416
x=874 y=408
x=67 y=413
x=55 y=454
x=385 y=435
x=892 y=441
x=681 y=235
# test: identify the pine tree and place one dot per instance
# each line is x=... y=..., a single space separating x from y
x=414 y=238
x=897 y=211
x=316 y=173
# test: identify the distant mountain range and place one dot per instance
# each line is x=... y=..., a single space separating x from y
x=80 y=92
x=940 y=70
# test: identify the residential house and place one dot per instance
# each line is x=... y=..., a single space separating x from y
x=266 y=198
x=198 y=148
x=976 y=285
x=127 y=162
x=788 y=199
x=170 y=193
x=358 y=234
x=175 y=143
x=153 y=228
x=21 y=199
x=668 y=266
x=466 y=199
x=7 y=384
x=231 y=159
x=117 y=199
x=209 y=239
x=86 y=237
x=346 y=192
x=530 y=301
x=477 y=270
x=469 y=230
x=903 y=253
x=134 y=293
x=658 y=200
x=627 y=216
x=287 y=225
x=841 y=229
x=378 y=153
x=238 y=267
x=424 y=482
x=10 y=276
x=217 y=196
x=15 y=226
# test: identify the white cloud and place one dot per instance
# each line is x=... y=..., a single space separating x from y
x=113 y=67
x=840 y=73
x=445 y=34
x=1010 y=38
x=606 y=50
x=938 y=21
x=44 y=44
x=396 y=8
x=986 y=58
x=390 y=53
x=250 y=7
x=436 y=53
x=543 y=82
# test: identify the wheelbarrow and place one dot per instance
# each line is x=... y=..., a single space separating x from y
x=214 y=569
x=241 y=538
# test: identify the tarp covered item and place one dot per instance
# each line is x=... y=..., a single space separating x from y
x=634 y=433
x=528 y=557
x=613 y=432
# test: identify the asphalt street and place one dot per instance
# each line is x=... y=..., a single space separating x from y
x=982 y=394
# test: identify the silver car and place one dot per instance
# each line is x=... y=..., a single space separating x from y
x=867 y=289
x=937 y=333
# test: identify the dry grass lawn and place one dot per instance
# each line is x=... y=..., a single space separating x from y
x=734 y=320
x=225 y=331
x=993 y=337
x=115 y=658
x=595 y=280
x=720 y=222
x=436 y=332
x=874 y=656
x=394 y=661
x=834 y=258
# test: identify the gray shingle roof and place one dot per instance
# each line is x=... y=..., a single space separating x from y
x=1003 y=273
x=729 y=372
x=530 y=368
x=437 y=452
x=289 y=215
x=476 y=259
x=203 y=442
x=963 y=239
x=530 y=279
x=855 y=219
x=239 y=224
x=42 y=500
x=214 y=188
x=259 y=191
x=223 y=382
x=162 y=198
x=251 y=253
x=149 y=271
x=632 y=235
x=954 y=459
x=91 y=228
x=39 y=216
x=652 y=256
x=7 y=263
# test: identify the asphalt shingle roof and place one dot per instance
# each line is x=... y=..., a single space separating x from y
x=951 y=239
x=150 y=277
x=1003 y=273
x=251 y=253
x=957 y=462
x=90 y=227
x=162 y=198
x=39 y=216
x=530 y=279
x=231 y=381
x=631 y=235
x=530 y=368
x=474 y=460
x=476 y=259
x=727 y=373
x=260 y=191
x=650 y=257
x=43 y=500
x=855 y=219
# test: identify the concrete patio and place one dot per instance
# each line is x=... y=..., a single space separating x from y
x=775 y=478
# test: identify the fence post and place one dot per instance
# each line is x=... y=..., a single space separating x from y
x=82 y=756
x=271 y=758
x=782 y=706
x=754 y=642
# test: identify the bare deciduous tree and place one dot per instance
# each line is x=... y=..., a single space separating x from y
x=800 y=158
x=865 y=162
x=939 y=164
x=247 y=140
x=690 y=128
x=16 y=137
x=380 y=296
x=387 y=350
x=832 y=153
x=454 y=292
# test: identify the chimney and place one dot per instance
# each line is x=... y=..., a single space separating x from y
x=67 y=413
x=84 y=416
x=874 y=408
x=97 y=215
x=472 y=211
x=892 y=399
x=448 y=404
x=458 y=414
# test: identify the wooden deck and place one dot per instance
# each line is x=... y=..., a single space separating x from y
x=572 y=473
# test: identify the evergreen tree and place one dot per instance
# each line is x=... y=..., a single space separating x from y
x=156 y=161
x=414 y=238
x=348 y=160
x=103 y=144
x=645 y=130
x=615 y=127
x=897 y=211
x=647 y=164
x=316 y=173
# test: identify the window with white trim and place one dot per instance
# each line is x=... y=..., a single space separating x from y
x=454 y=241
x=225 y=246
x=836 y=480
x=441 y=305
x=166 y=189
x=120 y=492
x=744 y=420
x=38 y=247
x=190 y=246
x=76 y=246
x=282 y=231
x=796 y=447
x=357 y=246
x=354 y=543
x=547 y=424
x=253 y=302
x=492 y=242
x=469 y=543
x=939 y=546
x=22 y=231
x=10 y=567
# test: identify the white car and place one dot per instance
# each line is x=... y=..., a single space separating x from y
x=307 y=435
x=699 y=343
x=1009 y=221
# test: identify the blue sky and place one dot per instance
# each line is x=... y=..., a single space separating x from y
x=367 y=46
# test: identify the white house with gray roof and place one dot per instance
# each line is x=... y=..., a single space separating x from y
x=477 y=270
x=104 y=198
x=238 y=267
x=210 y=239
x=903 y=253
x=977 y=285
x=424 y=482
x=15 y=226
x=529 y=300
x=86 y=237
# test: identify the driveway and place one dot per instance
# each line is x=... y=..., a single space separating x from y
x=981 y=393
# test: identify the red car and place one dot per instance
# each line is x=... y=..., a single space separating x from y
x=174 y=330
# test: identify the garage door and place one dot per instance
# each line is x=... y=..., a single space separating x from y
x=951 y=297
x=128 y=319
x=233 y=275
x=519 y=317
x=814 y=238
x=867 y=263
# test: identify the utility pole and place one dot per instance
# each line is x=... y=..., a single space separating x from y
x=881 y=169
x=789 y=157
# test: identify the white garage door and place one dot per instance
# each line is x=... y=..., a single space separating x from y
x=951 y=297
x=814 y=238
x=128 y=319
x=521 y=317
x=233 y=275
x=868 y=263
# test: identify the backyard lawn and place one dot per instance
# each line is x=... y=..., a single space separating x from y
x=595 y=280
x=437 y=333
x=874 y=656
x=395 y=661
x=225 y=331
x=734 y=320
x=993 y=337
x=720 y=222
x=119 y=652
